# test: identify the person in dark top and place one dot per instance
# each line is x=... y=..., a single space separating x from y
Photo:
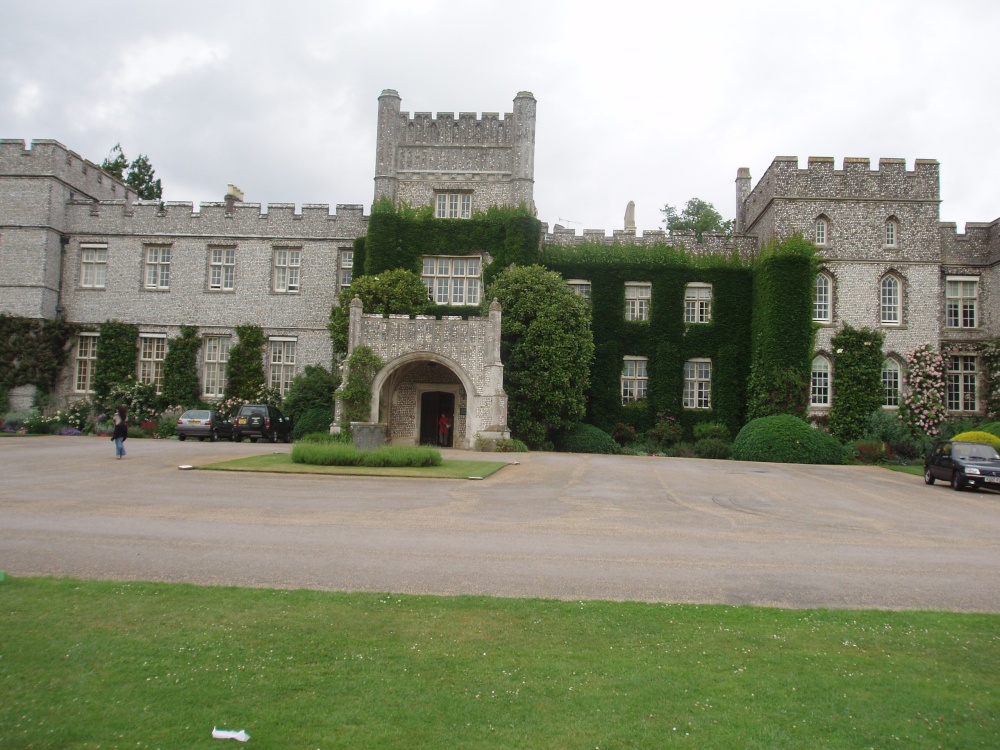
x=121 y=431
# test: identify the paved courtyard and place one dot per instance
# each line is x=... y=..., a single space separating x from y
x=555 y=526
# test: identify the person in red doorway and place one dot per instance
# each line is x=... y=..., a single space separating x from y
x=444 y=424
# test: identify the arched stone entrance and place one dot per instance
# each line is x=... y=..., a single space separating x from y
x=434 y=366
x=412 y=392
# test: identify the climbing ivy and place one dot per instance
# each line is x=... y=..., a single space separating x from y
x=116 y=357
x=362 y=367
x=33 y=352
x=180 y=369
x=245 y=379
x=857 y=381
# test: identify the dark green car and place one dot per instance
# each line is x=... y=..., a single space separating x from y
x=963 y=464
x=261 y=422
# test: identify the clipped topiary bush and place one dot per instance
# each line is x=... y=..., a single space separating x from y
x=979 y=436
x=783 y=438
x=585 y=438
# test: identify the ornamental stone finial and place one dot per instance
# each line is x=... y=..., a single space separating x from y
x=495 y=305
x=356 y=302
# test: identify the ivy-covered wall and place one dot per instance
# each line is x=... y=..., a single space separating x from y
x=665 y=339
x=32 y=352
x=397 y=238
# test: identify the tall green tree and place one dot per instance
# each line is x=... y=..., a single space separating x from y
x=546 y=348
x=698 y=216
x=396 y=292
x=138 y=174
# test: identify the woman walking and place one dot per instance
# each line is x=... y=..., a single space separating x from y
x=121 y=431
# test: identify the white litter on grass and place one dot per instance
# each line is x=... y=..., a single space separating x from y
x=228 y=734
x=185 y=467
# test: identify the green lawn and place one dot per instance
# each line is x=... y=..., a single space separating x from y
x=87 y=664
x=282 y=462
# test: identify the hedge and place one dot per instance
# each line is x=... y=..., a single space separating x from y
x=783 y=438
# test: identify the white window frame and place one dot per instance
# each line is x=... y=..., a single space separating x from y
x=891 y=233
x=822 y=230
x=890 y=300
x=637 y=297
x=698 y=302
x=156 y=270
x=453 y=279
x=281 y=362
x=635 y=379
x=86 y=362
x=453 y=205
x=152 y=353
x=214 y=362
x=580 y=287
x=93 y=266
x=822 y=298
x=961 y=306
x=819 y=382
x=221 y=268
x=287 y=266
x=346 y=268
x=962 y=382
x=892 y=383
x=697 y=384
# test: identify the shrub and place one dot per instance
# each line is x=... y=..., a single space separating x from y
x=992 y=427
x=585 y=438
x=979 y=436
x=921 y=405
x=340 y=454
x=711 y=430
x=666 y=431
x=783 y=438
x=680 y=450
x=311 y=389
x=14 y=420
x=362 y=367
x=167 y=426
x=511 y=445
x=857 y=368
x=623 y=433
x=37 y=424
x=320 y=437
x=869 y=451
x=713 y=447
x=313 y=421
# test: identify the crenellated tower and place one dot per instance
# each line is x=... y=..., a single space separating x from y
x=467 y=163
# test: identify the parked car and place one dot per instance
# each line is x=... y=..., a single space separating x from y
x=203 y=423
x=261 y=422
x=963 y=464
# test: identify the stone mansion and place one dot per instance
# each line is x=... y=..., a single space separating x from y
x=78 y=245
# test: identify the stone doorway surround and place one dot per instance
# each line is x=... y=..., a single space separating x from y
x=424 y=354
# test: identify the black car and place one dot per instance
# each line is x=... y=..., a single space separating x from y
x=203 y=423
x=261 y=422
x=963 y=464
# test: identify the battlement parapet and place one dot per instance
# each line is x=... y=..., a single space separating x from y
x=979 y=244
x=49 y=158
x=821 y=180
x=711 y=243
x=214 y=219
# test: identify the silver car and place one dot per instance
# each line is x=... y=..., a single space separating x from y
x=203 y=423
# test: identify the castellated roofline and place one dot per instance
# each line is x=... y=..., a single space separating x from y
x=49 y=158
x=145 y=217
x=856 y=179
x=711 y=242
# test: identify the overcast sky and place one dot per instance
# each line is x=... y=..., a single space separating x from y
x=654 y=102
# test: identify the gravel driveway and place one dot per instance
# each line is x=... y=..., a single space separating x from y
x=560 y=526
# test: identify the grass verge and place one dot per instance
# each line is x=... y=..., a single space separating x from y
x=86 y=664
x=282 y=463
